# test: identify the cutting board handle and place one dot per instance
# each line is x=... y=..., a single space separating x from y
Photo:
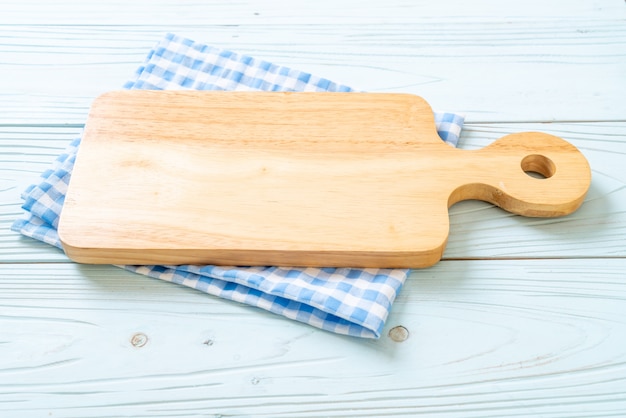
x=528 y=173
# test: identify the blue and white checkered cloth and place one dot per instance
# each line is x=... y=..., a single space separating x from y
x=343 y=300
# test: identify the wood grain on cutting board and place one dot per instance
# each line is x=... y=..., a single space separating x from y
x=313 y=179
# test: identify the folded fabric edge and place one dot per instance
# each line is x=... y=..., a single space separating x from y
x=289 y=308
x=375 y=288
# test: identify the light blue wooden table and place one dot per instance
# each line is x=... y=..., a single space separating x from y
x=523 y=317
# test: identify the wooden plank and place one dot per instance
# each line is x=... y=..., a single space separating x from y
x=163 y=12
x=478 y=230
x=485 y=338
x=560 y=64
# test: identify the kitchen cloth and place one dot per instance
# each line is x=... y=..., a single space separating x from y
x=347 y=301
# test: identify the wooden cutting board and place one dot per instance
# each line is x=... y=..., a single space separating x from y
x=300 y=179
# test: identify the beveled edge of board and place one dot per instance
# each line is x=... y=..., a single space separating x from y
x=225 y=257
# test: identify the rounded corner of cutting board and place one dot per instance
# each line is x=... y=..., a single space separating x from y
x=73 y=243
x=105 y=97
x=71 y=248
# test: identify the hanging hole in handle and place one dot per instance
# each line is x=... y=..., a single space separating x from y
x=538 y=166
